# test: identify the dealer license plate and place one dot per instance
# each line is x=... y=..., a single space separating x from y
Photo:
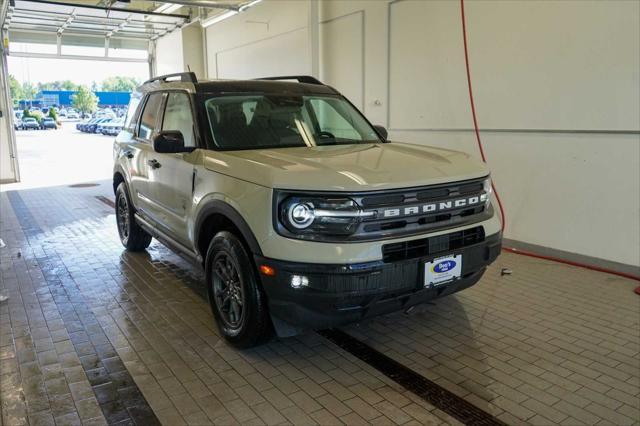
x=442 y=270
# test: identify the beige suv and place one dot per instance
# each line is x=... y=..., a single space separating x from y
x=301 y=212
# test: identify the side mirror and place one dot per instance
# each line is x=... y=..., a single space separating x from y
x=382 y=132
x=170 y=142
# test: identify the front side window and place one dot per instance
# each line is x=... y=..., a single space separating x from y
x=279 y=121
x=177 y=116
x=149 y=116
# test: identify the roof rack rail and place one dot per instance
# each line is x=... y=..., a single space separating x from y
x=300 y=78
x=185 y=77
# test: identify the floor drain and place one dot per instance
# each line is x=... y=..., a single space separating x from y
x=83 y=185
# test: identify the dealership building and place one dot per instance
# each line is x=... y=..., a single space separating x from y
x=64 y=98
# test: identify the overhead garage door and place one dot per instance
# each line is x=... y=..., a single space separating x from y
x=45 y=29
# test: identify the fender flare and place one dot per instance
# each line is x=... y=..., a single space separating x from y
x=119 y=170
x=226 y=210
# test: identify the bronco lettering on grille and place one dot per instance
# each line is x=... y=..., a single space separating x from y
x=434 y=207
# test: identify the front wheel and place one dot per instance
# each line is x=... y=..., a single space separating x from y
x=237 y=300
x=132 y=236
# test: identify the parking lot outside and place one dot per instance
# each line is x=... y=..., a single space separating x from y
x=62 y=156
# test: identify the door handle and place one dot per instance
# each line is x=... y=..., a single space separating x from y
x=128 y=153
x=154 y=164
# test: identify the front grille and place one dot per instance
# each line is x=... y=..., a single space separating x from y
x=418 y=210
x=397 y=277
x=433 y=245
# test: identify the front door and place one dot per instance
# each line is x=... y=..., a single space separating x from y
x=174 y=175
x=140 y=152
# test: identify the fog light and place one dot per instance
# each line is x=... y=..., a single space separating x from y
x=298 y=281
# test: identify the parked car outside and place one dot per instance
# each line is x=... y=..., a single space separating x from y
x=113 y=127
x=91 y=128
x=82 y=126
x=100 y=126
x=17 y=124
x=30 y=123
x=72 y=115
x=48 y=123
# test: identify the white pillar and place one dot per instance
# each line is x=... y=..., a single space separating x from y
x=314 y=37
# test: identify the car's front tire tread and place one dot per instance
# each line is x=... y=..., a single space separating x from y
x=257 y=327
x=138 y=239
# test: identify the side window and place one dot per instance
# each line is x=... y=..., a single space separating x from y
x=131 y=110
x=149 y=116
x=177 y=116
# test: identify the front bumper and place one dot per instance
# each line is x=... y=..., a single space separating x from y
x=340 y=294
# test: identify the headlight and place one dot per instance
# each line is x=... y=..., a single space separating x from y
x=316 y=216
x=488 y=190
x=300 y=215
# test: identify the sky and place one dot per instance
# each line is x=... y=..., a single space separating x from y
x=39 y=70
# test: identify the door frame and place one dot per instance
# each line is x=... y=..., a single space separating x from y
x=8 y=107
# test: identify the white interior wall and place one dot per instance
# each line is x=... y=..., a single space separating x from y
x=169 y=54
x=342 y=42
x=556 y=85
x=271 y=38
x=193 y=52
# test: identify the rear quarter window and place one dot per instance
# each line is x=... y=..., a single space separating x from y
x=132 y=111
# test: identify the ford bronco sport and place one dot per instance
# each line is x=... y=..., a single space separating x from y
x=301 y=212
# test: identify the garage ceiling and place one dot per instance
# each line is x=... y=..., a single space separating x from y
x=62 y=19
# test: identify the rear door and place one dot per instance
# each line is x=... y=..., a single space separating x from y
x=139 y=153
x=174 y=175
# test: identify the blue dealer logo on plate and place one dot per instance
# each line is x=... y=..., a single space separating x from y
x=444 y=266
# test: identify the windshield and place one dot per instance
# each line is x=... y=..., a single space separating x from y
x=279 y=121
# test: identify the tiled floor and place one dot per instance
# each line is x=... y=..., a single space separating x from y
x=92 y=335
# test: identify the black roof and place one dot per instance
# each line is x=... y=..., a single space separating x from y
x=263 y=86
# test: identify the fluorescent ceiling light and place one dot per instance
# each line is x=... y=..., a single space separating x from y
x=228 y=14
x=218 y=18
x=168 y=8
x=248 y=5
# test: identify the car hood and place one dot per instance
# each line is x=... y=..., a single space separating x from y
x=358 y=167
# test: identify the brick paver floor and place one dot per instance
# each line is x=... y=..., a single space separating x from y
x=92 y=335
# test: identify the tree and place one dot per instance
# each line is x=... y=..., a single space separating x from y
x=53 y=114
x=58 y=85
x=120 y=84
x=69 y=85
x=29 y=90
x=33 y=114
x=84 y=100
x=15 y=89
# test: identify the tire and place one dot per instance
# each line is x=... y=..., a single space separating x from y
x=252 y=326
x=132 y=236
